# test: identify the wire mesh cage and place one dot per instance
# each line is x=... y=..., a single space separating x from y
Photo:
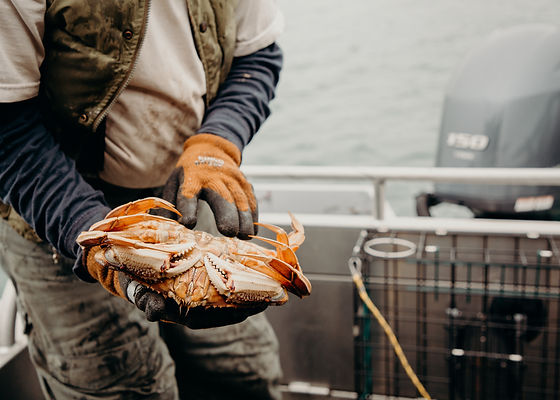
x=476 y=315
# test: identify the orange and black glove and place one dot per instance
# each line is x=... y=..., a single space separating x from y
x=154 y=305
x=209 y=170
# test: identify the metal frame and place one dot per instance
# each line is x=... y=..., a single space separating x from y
x=381 y=220
x=378 y=176
x=440 y=302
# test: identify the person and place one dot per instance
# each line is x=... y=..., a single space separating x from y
x=104 y=102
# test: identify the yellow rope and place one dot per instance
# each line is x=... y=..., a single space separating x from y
x=389 y=332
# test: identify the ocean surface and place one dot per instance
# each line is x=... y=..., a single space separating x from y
x=364 y=80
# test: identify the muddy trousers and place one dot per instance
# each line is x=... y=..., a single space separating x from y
x=88 y=344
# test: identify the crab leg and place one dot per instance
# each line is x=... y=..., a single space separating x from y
x=281 y=234
x=297 y=236
x=263 y=267
x=124 y=221
x=290 y=277
x=140 y=206
x=293 y=239
x=95 y=238
x=283 y=251
x=285 y=243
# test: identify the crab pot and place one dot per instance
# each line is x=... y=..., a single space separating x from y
x=476 y=315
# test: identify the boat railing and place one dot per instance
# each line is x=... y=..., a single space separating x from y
x=378 y=177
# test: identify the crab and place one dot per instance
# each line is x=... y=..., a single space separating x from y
x=195 y=268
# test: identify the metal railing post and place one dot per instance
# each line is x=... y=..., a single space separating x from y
x=379 y=196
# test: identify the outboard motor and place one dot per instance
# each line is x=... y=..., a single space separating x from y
x=502 y=109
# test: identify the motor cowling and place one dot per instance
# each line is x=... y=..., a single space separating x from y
x=502 y=109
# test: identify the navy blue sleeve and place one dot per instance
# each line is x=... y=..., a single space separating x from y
x=41 y=183
x=242 y=102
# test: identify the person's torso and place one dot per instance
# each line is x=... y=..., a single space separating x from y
x=162 y=105
x=142 y=71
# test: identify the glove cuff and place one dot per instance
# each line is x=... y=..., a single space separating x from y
x=209 y=143
x=80 y=269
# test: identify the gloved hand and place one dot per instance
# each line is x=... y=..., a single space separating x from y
x=208 y=170
x=154 y=305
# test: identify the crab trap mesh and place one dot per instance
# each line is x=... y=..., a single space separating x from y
x=476 y=315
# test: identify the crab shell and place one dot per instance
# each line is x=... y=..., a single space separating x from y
x=195 y=268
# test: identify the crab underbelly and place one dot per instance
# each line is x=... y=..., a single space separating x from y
x=198 y=288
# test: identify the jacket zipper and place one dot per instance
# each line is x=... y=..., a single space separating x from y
x=128 y=76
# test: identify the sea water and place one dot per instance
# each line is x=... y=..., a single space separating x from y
x=364 y=80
